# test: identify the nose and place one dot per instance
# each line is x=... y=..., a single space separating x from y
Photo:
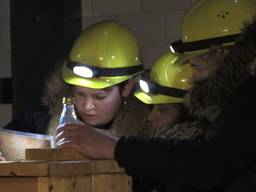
x=89 y=104
x=152 y=115
x=195 y=75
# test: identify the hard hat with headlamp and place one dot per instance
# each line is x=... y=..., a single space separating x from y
x=105 y=54
x=212 y=22
x=167 y=82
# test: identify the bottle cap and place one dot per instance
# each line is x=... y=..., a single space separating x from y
x=68 y=100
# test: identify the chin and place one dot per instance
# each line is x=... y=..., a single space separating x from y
x=156 y=128
x=150 y=125
x=90 y=122
x=93 y=123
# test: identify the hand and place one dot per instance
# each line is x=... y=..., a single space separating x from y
x=86 y=140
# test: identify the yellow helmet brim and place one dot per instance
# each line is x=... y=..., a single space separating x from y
x=187 y=56
x=94 y=83
x=156 y=99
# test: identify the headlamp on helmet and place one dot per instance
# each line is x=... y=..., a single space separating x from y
x=105 y=54
x=153 y=88
x=89 y=71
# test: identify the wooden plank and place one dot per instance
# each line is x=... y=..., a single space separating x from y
x=58 y=168
x=32 y=168
x=95 y=183
x=63 y=176
x=106 y=166
x=43 y=184
x=62 y=154
x=92 y=183
x=71 y=184
x=111 y=183
x=67 y=168
x=18 y=184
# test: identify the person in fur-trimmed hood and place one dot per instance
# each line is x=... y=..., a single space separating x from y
x=98 y=73
x=224 y=159
x=131 y=112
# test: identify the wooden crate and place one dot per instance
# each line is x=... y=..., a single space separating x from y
x=63 y=176
x=57 y=154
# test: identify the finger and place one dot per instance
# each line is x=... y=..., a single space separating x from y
x=72 y=127
x=67 y=144
x=62 y=138
x=74 y=131
x=62 y=142
x=62 y=127
x=70 y=134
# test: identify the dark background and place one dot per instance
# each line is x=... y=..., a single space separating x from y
x=42 y=33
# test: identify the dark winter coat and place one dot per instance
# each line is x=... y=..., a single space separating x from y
x=224 y=159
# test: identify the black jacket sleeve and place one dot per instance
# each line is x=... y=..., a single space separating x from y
x=215 y=161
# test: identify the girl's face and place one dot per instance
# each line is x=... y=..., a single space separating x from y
x=162 y=115
x=97 y=106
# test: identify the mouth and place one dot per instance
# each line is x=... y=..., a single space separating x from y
x=90 y=116
x=152 y=124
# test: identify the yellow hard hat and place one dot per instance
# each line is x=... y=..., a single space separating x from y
x=105 y=54
x=168 y=81
x=212 y=22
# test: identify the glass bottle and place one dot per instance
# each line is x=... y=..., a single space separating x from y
x=68 y=115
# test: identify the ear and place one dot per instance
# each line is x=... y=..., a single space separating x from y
x=127 y=89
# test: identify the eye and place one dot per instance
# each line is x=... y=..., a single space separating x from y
x=162 y=108
x=78 y=94
x=100 y=96
x=197 y=67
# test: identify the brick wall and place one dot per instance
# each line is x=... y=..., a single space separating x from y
x=155 y=23
x=5 y=62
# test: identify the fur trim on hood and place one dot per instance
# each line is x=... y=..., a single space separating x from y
x=130 y=119
x=206 y=98
x=55 y=89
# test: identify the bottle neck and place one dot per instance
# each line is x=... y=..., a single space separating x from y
x=68 y=114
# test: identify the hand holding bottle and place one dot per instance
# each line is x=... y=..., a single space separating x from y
x=88 y=141
x=68 y=115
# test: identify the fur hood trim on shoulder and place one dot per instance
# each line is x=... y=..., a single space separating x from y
x=130 y=119
x=55 y=89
